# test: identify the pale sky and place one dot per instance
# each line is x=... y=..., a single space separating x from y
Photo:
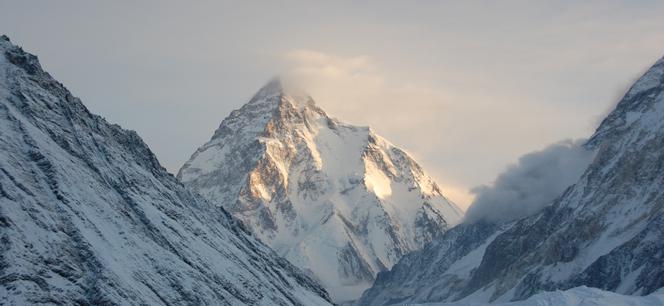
x=465 y=87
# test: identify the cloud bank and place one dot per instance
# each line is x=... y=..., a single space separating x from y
x=533 y=183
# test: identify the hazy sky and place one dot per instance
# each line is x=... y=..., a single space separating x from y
x=465 y=87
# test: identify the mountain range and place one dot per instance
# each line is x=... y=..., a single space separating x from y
x=286 y=203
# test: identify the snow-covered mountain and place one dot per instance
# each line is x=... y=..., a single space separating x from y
x=605 y=231
x=335 y=199
x=89 y=217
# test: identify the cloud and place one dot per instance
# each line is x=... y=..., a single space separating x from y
x=329 y=65
x=533 y=183
x=311 y=69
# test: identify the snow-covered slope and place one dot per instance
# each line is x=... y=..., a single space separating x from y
x=89 y=217
x=579 y=296
x=332 y=198
x=438 y=271
x=605 y=231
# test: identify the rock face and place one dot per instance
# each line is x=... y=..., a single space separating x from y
x=605 y=231
x=89 y=217
x=332 y=198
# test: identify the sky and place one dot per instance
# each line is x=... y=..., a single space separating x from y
x=465 y=87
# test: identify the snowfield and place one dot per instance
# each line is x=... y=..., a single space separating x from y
x=579 y=296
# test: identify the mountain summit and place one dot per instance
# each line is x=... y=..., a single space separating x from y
x=333 y=198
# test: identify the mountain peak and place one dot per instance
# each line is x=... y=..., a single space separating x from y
x=273 y=86
x=278 y=90
x=18 y=57
x=335 y=199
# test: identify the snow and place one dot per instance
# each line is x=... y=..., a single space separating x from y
x=579 y=296
x=376 y=181
x=464 y=266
